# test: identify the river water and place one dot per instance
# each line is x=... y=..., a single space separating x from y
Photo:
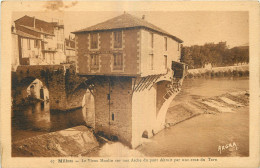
x=198 y=136
x=202 y=135
x=28 y=121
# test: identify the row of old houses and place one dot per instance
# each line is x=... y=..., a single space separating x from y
x=38 y=42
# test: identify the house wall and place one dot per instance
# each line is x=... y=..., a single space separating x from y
x=143 y=114
x=130 y=51
x=120 y=105
x=33 y=53
x=15 y=52
x=88 y=109
x=59 y=42
x=158 y=52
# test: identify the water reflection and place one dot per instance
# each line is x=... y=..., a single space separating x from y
x=38 y=118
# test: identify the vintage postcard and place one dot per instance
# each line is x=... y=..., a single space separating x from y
x=130 y=84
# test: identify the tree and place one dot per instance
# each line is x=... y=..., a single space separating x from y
x=216 y=54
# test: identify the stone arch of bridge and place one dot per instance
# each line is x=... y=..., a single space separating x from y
x=165 y=94
x=30 y=87
x=83 y=97
x=52 y=79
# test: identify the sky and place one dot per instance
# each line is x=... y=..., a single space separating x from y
x=193 y=27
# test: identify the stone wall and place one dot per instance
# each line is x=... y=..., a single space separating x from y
x=143 y=114
x=114 y=117
x=130 y=51
x=159 y=52
x=129 y=114
x=66 y=89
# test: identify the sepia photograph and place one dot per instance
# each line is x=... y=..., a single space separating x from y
x=98 y=84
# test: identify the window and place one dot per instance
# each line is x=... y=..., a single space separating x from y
x=151 y=40
x=151 y=61
x=165 y=61
x=28 y=44
x=94 y=41
x=165 y=43
x=117 y=61
x=94 y=61
x=118 y=39
x=113 y=116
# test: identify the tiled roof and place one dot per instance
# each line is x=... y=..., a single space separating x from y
x=23 y=34
x=125 y=21
x=37 y=30
x=36 y=25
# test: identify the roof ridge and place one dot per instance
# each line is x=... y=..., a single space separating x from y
x=124 y=21
x=100 y=23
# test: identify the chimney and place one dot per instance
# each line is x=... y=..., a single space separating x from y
x=143 y=17
x=34 y=22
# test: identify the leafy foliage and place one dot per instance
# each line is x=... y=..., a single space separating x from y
x=216 y=54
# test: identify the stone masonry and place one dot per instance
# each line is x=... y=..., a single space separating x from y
x=65 y=87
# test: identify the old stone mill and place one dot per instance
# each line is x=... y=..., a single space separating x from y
x=131 y=67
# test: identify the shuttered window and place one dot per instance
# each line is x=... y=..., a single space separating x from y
x=117 y=61
x=94 y=41
x=94 y=61
x=118 y=39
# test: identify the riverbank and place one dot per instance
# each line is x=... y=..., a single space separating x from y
x=226 y=103
x=229 y=71
x=69 y=142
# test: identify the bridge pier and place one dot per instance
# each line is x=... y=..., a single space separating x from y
x=130 y=108
x=61 y=82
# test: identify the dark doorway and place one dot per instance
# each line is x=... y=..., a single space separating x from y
x=41 y=94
